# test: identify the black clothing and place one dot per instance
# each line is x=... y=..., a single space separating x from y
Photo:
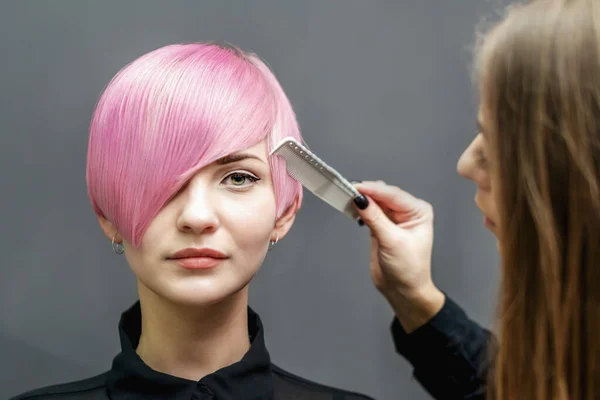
x=254 y=377
x=450 y=354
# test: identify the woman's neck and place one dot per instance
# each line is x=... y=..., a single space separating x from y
x=192 y=342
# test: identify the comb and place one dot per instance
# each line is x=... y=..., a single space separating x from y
x=316 y=176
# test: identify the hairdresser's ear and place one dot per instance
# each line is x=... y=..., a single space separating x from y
x=109 y=230
x=285 y=222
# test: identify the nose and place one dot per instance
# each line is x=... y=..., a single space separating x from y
x=197 y=214
x=470 y=168
x=465 y=165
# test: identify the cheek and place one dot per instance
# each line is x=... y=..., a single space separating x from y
x=152 y=245
x=494 y=197
x=249 y=218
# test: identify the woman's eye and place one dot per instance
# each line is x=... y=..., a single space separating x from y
x=239 y=179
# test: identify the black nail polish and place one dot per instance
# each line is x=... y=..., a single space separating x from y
x=361 y=202
x=361 y=222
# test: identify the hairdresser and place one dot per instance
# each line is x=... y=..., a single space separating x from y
x=536 y=164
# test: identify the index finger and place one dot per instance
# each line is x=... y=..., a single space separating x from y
x=389 y=196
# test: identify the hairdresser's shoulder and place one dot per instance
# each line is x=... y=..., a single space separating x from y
x=93 y=388
x=290 y=386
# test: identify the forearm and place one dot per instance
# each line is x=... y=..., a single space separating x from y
x=449 y=352
x=415 y=309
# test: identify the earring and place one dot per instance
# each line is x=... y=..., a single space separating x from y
x=272 y=243
x=117 y=247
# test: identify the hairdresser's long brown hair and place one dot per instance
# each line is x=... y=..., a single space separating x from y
x=539 y=75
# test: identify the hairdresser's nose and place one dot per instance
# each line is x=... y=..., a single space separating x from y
x=467 y=163
x=472 y=164
x=197 y=214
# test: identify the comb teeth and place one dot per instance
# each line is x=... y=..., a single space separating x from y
x=322 y=180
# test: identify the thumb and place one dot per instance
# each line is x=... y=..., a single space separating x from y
x=373 y=216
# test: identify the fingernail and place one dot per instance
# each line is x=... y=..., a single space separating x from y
x=361 y=222
x=355 y=182
x=361 y=202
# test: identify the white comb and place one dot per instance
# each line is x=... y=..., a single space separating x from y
x=318 y=177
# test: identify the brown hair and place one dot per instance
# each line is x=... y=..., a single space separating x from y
x=539 y=76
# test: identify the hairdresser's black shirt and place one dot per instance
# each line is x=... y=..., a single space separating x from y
x=450 y=354
x=252 y=378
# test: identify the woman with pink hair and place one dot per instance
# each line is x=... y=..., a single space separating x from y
x=179 y=177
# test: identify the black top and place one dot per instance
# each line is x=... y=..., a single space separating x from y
x=254 y=377
x=450 y=354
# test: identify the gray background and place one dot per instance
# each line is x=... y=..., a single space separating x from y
x=382 y=90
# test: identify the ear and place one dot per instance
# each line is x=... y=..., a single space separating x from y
x=110 y=231
x=285 y=222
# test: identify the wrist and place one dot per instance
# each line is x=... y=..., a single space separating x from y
x=414 y=308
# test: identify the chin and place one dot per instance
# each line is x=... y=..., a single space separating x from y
x=199 y=291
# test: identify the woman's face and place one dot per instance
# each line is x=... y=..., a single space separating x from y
x=474 y=164
x=211 y=238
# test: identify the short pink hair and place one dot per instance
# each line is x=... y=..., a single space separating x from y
x=173 y=111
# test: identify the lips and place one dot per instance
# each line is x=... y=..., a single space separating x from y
x=192 y=258
x=488 y=222
x=191 y=253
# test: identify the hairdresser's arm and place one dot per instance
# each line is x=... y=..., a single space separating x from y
x=448 y=351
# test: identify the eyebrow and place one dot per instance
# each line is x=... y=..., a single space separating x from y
x=232 y=158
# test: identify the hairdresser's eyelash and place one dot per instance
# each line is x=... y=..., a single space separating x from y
x=237 y=175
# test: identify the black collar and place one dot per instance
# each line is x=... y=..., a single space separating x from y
x=130 y=378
